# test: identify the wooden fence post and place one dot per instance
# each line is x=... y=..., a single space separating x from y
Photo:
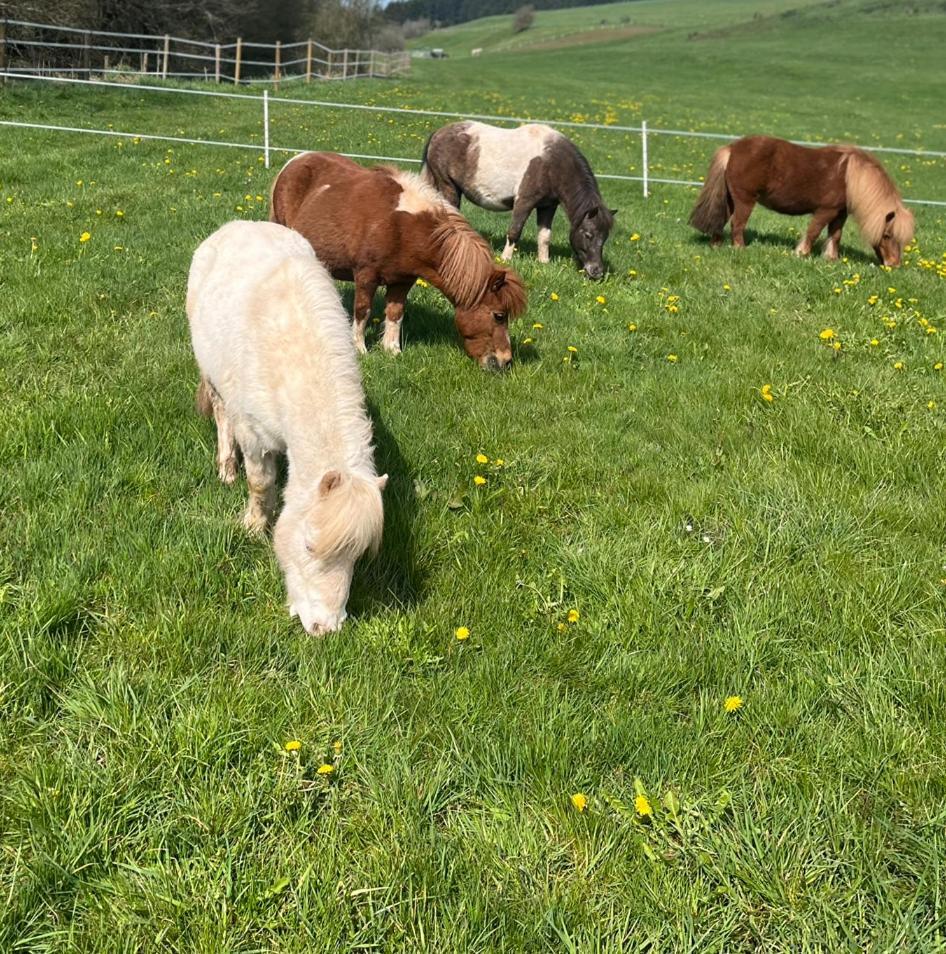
x=217 y=63
x=239 y=55
x=144 y=62
x=105 y=64
x=345 y=65
x=371 y=65
x=167 y=53
x=278 y=62
x=87 y=53
x=308 y=62
x=3 y=46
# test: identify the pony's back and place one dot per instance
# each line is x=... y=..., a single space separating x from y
x=272 y=337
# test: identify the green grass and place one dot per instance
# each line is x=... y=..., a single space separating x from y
x=714 y=544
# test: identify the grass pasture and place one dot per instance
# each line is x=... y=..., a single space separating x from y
x=658 y=538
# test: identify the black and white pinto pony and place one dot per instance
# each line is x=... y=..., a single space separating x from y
x=532 y=167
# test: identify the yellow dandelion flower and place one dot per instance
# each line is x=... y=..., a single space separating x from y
x=727 y=287
x=479 y=481
x=827 y=334
x=631 y=326
x=499 y=462
x=898 y=365
x=554 y=296
x=326 y=769
x=874 y=342
x=293 y=745
x=766 y=392
x=931 y=405
x=337 y=746
x=537 y=326
x=938 y=366
x=836 y=345
x=635 y=237
x=422 y=283
x=119 y=213
x=462 y=632
x=573 y=349
x=573 y=616
x=642 y=806
x=482 y=459
x=632 y=273
x=85 y=236
x=601 y=300
x=528 y=341
x=733 y=703
x=672 y=358
x=580 y=801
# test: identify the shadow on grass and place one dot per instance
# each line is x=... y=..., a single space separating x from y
x=771 y=240
x=394 y=577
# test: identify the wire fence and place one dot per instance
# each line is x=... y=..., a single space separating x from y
x=264 y=101
x=44 y=49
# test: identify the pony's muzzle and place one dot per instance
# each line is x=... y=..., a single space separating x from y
x=494 y=363
x=594 y=271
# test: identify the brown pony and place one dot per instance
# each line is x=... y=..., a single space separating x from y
x=381 y=226
x=829 y=183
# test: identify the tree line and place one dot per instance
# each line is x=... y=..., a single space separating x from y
x=335 y=23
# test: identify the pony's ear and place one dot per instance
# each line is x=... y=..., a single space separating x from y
x=382 y=481
x=592 y=213
x=498 y=280
x=613 y=211
x=329 y=482
x=889 y=217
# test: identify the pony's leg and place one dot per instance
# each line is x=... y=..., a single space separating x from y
x=393 y=313
x=818 y=221
x=261 y=483
x=835 y=227
x=716 y=239
x=364 y=295
x=544 y=215
x=742 y=209
x=521 y=210
x=226 y=441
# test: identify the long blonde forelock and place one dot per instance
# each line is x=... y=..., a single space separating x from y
x=871 y=196
x=348 y=520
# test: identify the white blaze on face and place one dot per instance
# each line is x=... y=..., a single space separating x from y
x=504 y=156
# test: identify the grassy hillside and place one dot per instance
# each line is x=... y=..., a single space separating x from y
x=606 y=22
x=658 y=538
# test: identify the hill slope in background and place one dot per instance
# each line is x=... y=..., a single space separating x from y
x=606 y=22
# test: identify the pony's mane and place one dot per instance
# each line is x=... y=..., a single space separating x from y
x=350 y=518
x=465 y=262
x=871 y=195
x=584 y=192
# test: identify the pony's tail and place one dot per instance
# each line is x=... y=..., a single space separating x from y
x=203 y=399
x=711 y=211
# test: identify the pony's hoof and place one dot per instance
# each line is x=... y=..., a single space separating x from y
x=255 y=523
x=508 y=252
x=227 y=471
x=802 y=251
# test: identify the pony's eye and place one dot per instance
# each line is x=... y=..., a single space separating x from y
x=499 y=316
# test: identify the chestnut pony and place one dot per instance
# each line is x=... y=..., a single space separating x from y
x=381 y=226
x=829 y=183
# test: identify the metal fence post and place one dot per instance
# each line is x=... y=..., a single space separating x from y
x=266 y=128
x=644 y=151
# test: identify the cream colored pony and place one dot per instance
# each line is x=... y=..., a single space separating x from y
x=280 y=375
